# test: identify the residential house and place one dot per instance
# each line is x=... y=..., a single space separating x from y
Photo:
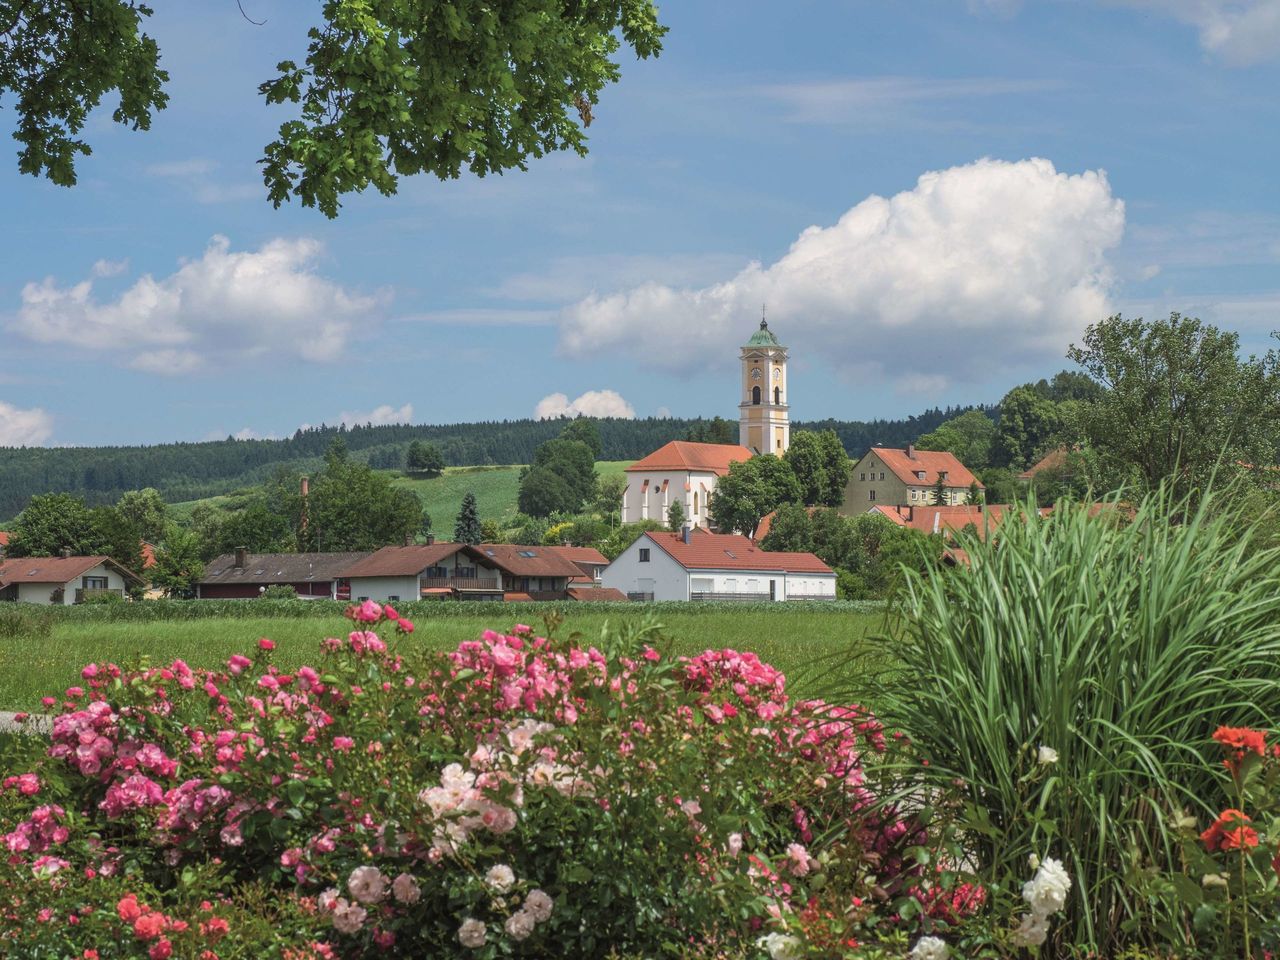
x=900 y=478
x=432 y=570
x=680 y=470
x=946 y=520
x=698 y=565
x=63 y=580
x=242 y=575
x=531 y=573
x=589 y=561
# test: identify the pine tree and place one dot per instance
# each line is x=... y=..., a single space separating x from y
x=467 y=528
x=939 y=491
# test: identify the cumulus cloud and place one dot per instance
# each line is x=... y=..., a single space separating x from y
x=593 y=403
x=378 y=416
x=226 y=304
x=977 y=266
x=24 y=428
x=1240 y=32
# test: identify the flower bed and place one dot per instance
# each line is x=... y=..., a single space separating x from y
x=518 y=796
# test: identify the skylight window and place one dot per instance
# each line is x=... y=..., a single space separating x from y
x=730 y=555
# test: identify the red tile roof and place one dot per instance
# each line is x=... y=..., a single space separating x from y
x=930 y=461
x=1053 y=460
x=4 y=538
x=402 y=561
x=148 y=555
x=526 y=561
x=685 y=455
x=587 y=559
x=726 y=551
x=53 y=569
x=946 y=519
x=589 y=594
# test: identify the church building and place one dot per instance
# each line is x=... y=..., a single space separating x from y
x=687 y=472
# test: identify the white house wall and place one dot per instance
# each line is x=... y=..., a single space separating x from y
x=40 y=592
x=661 y=576
x=652 y=503
x=384 y=588
x=668 y=580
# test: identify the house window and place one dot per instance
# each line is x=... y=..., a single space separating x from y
x=644 y=554
x=871 y=494
x=881 y=474
x=362 y=599
x=95 y=583
x=755 y=395
x=862 y=477
x=919 y=474
x=393 y=597
x=777 y=394
x=695 y=501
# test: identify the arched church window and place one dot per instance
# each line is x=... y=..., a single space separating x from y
x=755 y=394
x=777 y=394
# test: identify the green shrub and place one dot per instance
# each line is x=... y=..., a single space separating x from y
x=1121 y=644
x=279 y=591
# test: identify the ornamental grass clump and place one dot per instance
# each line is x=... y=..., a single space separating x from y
x=1058 y=693
x=521 y=795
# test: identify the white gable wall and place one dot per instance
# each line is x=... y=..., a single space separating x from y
x=40 y=592
x=661 y=575
x=641 y=502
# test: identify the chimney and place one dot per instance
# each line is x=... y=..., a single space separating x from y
x=686 y=532
x=306 y=491
x=431 y=539
x=937 y=519
x=241 y=557
x=911 y=451
x=408 y=539
x=64 y=553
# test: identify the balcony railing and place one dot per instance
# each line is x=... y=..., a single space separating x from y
x=82 y=595
x=639 y=596
x=460 y=583
x=743 y=597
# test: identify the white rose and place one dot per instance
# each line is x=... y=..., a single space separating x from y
x=406 y=889
x=367 y=884
x=471 y=933
x=734 y=845
x=1047 y=755
x=500 y=878
x=519 y=925
x=1047 y=891
x=929 y=948
x=348 y=917
x=1032 y=932
x=539 y=905
x=781 y=946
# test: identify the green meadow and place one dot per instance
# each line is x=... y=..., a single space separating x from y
x=810 y=644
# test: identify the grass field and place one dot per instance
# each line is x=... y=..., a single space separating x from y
x=496 y=490
x=809 y=646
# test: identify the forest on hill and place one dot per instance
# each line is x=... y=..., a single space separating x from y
x=189 y=471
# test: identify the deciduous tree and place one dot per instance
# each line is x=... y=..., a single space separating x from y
x=821 y=466
x=385 y=90
x=750 y=490
x=1180 y=402
x=969 y=437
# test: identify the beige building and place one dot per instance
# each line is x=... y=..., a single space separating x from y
x=886 y=476
x=763 y=422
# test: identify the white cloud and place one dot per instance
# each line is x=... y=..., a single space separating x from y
x=1240 y=32
x=109 y=268
x=593 y=403
x=19 y=428
x=378 y=416
x=976 y=267
x=197 y=176
x=226 y=304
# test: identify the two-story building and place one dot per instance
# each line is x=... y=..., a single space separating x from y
x=531 y=572
x=439 y=570
x=242 y=575
x=899 y=478
x=697 y=565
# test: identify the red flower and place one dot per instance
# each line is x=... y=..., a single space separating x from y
x=149 y=926
x=160 y=950
x=128 y=908
x=1240 y=741
x=266 y=644
x=1231 y=831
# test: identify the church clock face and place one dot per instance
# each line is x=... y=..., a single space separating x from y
x=755 y=374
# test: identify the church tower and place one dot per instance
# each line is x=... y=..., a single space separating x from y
x=763 y=426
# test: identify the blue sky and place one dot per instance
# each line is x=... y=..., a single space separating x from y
x=933 y=198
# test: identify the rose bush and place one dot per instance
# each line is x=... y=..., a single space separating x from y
x=519 y=796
